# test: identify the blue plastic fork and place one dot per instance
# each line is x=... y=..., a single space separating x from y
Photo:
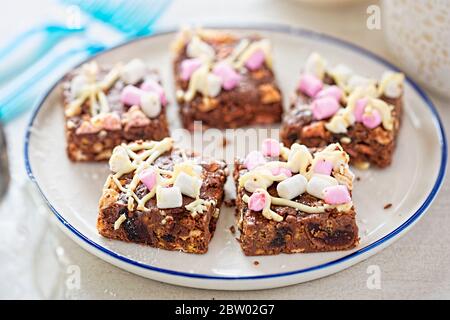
x=134 y=18
x=19 y=100
x=51 y=33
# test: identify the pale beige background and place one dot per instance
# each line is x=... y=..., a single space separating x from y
x=417 y=266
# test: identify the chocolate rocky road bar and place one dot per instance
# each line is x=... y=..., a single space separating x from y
x=225 y=80
x=292 y=200
x=161 y=196
x=333 y=104
x=105 y=106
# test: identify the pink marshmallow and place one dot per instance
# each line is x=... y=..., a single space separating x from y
x=359 y=109
x=131 y=95
x=331 y=91
x=148 y=177
x=151 y=85
x=323 y=108
x=188 y=67
x=257 y=201
x=271 y=148
x=280 y=170
x=230 y=78
x=323 y=167
x=336 y=195
x=254 y=159
x=111 y=121
x=371 y=120
x=256 y=60
x=310 y=85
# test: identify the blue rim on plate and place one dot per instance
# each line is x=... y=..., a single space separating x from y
x=271 y=28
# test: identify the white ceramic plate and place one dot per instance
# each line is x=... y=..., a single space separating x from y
x=410 y=184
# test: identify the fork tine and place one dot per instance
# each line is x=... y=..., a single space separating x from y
x=124 y=19
x=136 y=16
x=164 y=4
x=148 y=19
x=141 y=17
x=105 y=9
x=126 y=9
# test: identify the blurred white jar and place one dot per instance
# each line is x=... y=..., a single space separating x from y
x=418 y=35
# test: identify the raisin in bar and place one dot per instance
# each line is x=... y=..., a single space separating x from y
x=225 y=80
x=335 y=105
x=105 y=106
x=295 y=200
x=161 y=196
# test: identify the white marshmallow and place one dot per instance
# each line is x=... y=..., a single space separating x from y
x=150 y=104
x=318 y=183
x=188 y=185
x=77 y=85
x=315 y=65
x=200 y=49
x=213 y=85
x=341 y=73
x=167 y=198
x=120 y=161
x=133 y=71
x=292 y=187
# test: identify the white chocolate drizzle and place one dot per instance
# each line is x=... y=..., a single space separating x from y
x=199 y=206
x=263 y=45
x=139 y=162
x=272 y=215
x=345 y=118
x=266 y=211
x=203 y=80
x=140 y=156
x=94 y=91
x=356 y=87
x=119 y=221
x=237 y=51
x=300 y=161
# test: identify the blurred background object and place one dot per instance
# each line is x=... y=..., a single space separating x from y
x=4 y=164
x=15 y=58
x=418 y=35
x=328 y=2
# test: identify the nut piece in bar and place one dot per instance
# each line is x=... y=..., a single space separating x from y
x=333 y=104
x=161 y=196
x=105 y=106
x=225 y=80
x=295 y=200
